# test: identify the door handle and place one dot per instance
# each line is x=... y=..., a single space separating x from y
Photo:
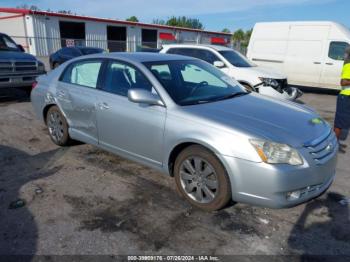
x=103 y=106
x=329 y=63
x=317 y=63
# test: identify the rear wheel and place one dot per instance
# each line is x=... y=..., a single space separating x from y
x=57 y=126
x=201 y=178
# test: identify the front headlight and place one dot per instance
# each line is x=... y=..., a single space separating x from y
x=275 y=153
x=269 y=82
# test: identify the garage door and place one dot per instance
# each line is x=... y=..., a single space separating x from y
x=72 y=33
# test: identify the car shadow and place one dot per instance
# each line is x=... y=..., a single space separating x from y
x=18 y=230
x=321 y=91
x=330 y=231
x=14 y=95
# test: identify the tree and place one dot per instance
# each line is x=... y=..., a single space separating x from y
x=158 y=22
x=226 y=30
x=181 y=21
x=241 y=39
x=31 y=7
x=238 y=35
x=132 y=19
x=247 y=35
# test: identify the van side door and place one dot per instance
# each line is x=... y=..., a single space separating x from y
x=333 y=64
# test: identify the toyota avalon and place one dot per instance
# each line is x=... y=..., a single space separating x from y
x=189 y=120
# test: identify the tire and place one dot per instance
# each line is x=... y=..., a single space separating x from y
x=57 y=126
x=196 y=182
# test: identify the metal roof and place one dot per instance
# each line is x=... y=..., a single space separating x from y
x=105 y=20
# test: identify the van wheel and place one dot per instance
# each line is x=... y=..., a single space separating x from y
x=201 y=178
x=57 y=126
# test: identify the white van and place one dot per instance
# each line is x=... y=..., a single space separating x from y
x=309 y=53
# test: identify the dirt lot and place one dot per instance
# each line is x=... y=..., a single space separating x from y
x=82 y=200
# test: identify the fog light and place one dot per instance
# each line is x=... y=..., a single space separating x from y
x=294 y=195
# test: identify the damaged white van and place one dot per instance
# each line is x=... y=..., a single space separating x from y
x=309 y=53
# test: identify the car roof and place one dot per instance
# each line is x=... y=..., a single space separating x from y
x=215 y=47
x=141 y=56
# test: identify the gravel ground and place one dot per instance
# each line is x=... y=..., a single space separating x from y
x=82 y=200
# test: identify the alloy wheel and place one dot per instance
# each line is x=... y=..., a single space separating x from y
x=199 y=180
x=55 y=126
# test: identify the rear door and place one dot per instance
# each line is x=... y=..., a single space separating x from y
x=76 y=94
x=333 y=64
x=126 y=127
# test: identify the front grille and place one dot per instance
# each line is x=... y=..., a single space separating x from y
x=322 y=148
x=25 y=66
x=7 y=67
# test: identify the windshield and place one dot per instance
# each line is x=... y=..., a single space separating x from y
x=7 y=43
x=89 y=51
x=191 y=82
x=236 y=59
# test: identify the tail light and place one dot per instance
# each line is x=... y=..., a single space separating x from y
x=35 y=83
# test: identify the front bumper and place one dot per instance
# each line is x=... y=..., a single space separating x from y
x=22 y=80
x=268 y=185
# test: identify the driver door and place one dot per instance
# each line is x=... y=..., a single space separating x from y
x=125 y=127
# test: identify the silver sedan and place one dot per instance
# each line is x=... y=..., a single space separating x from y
x=187 y=119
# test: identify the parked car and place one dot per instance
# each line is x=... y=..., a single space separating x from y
x=67 y=53
x=254 y=78
x=189 y=120
x=309 y=53
x=17 y=69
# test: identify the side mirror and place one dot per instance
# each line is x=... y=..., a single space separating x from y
x=143 y=96
x=219 y=64
x=20 y=47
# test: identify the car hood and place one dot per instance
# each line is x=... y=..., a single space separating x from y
x=13 y=55
x=263 y=72
x=262 y=117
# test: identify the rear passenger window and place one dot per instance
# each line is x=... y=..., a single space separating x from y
x=337 y=50
x=83 y=73
x=183 y=51
x=202 y=54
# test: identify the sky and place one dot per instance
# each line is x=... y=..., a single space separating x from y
x=214 y=14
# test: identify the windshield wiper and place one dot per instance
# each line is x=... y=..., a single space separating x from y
x=197 y=102
x=232 y=95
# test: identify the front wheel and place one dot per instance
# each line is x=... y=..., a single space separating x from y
x=57 y=126
x=201 y=178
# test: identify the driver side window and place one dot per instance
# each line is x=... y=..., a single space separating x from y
x=194 y=74
x=120 y=77
x=337 y=50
